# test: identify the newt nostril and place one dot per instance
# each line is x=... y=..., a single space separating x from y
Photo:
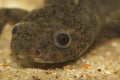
x=38 y=51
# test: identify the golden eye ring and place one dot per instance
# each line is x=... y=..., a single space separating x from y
x=62 y=39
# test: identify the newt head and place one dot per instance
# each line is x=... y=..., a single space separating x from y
x=53 y=34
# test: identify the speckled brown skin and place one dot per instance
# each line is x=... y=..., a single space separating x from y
x=60 y=32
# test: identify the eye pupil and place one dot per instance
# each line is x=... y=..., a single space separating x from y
x=15 y=29
x=63 y=39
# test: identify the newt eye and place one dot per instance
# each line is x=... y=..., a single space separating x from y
x=15 y=29
x=62 y=40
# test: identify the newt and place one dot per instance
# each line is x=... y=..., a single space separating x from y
x=61 y=31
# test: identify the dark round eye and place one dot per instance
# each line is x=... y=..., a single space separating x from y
x=15 y=29
x=62 y=40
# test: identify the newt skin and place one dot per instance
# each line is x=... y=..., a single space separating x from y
x=60 y=32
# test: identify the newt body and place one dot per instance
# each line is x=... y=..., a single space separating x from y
x=61 y=31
